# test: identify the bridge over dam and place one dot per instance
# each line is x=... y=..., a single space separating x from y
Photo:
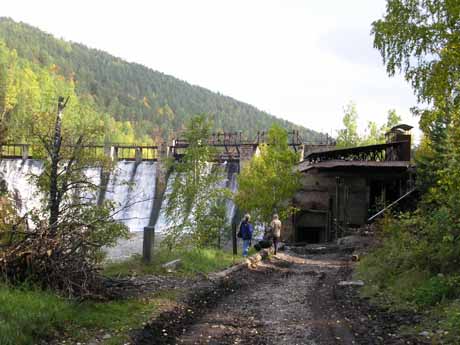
x=229 y=146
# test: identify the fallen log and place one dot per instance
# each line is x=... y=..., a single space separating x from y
x=250 y=262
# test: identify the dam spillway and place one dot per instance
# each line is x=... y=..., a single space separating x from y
x=130 y=186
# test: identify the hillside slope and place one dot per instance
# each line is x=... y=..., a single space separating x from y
x=154 y=103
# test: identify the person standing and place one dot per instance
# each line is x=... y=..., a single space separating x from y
x=276 y=231
x=246 y=230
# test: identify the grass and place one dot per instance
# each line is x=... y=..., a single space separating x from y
x=28 y=314
x=194 y=261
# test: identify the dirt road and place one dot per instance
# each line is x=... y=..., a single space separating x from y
x=277 y=303
x=287 y=300
x=281 y=301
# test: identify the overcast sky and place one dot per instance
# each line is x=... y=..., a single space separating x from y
x=298 y=60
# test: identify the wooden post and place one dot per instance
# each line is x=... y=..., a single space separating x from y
x=234 y=239
x=114 y=153
x=161 y=182
x=149 y=241
x=301 y=152
x=337 y=206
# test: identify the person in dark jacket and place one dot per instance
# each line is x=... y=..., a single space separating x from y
x=246 y=230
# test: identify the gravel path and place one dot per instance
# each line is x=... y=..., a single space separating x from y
x=290 y=299
x=275 y=303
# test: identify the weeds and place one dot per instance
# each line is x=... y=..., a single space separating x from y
x=193 y=261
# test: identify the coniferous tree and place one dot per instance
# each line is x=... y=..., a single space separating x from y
x=150 y=101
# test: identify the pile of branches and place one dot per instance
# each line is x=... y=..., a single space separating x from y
x=64 y=261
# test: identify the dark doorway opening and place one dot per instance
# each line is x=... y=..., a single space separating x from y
x=309 y=235
x=382 y=193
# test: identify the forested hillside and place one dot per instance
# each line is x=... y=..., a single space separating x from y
x=137 y=102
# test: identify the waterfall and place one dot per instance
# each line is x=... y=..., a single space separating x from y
x=232 y=184
x=18 y=175
x=131 y=186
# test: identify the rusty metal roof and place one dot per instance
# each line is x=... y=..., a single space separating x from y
x=354 y=149
x=402 y=126
x=331 y=164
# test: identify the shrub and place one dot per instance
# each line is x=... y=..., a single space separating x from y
x=417 y=259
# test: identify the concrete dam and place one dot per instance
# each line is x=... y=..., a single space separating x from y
x=131 y=186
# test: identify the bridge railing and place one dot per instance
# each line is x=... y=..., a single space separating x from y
x=228 y=144
x=379 y=152
x=114 y=151
x=17 y=151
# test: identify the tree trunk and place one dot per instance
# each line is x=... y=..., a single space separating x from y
x=54 y=198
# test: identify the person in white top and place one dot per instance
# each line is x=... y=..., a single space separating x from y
x=276 y=231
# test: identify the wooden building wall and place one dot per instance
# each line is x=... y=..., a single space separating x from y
x=319 y=210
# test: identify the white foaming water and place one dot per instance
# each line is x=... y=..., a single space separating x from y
x=131 y=187
x=139 y=197
x=230 y=205
x=162 y=225
x=18 y=175
x=94 y=176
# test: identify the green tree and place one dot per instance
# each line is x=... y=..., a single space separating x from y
x=70 y=229
x=348 y=136
x=196 y=199
x=269 y=181
x=393 y=119
x=376 y=135
x=64 y=181
x=8 y=87
x=373 y=134
x=421 y=39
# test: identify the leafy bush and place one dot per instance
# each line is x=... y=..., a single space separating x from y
x=417 y=259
